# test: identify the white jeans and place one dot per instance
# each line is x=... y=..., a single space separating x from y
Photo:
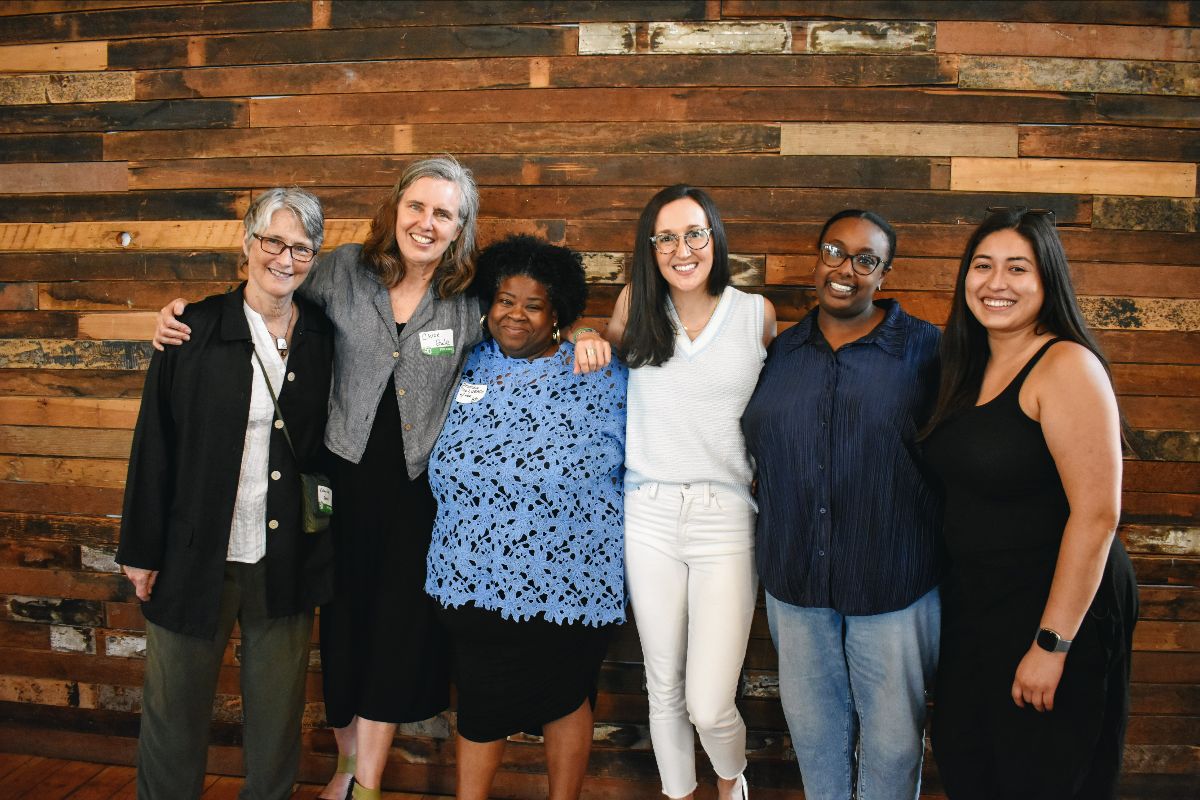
x=689 y=561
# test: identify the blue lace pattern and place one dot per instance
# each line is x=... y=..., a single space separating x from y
x=528 y=479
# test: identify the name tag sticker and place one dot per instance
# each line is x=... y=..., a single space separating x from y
x=437 y=343
x=470 y=392
x=325 y=499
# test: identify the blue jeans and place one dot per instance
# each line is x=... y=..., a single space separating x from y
x=856 y=682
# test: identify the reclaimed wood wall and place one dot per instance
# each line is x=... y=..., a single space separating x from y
x=134 y=132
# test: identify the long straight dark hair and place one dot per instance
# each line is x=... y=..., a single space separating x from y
x=649 y=338
x=964 y=348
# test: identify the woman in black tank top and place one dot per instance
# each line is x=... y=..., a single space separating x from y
x=1040 y=600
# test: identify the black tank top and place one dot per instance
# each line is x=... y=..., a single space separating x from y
x=1002 y=487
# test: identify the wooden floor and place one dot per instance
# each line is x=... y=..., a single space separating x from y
x=23 y=776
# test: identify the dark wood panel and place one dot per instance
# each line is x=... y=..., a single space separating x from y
x=124 y=295
x=470 y=12
x=118 y=266
x=133 y=116
x=1150 y=347
x=1178 y=112
x=51 y=147
x=40 y=324
x=123 y=206
x=260 y=16
x=1086 y=141
x=1107 y=12
x=37 y=497
x=701 y=105
x=48 y=526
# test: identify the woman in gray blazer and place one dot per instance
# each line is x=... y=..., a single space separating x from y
x=403 y=327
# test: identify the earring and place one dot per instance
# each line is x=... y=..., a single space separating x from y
x=483 y=325
x=556 y=335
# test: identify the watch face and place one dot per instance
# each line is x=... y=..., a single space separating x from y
x=1048 y=640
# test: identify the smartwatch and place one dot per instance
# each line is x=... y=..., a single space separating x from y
x=1051 y=642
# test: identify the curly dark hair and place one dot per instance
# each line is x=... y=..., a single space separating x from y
x=559 y=269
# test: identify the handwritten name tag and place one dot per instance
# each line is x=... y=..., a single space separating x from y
x=470 y=392
x=437 y=343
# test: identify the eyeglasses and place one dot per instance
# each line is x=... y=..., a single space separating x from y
x=695 y=239
x=1021 y=211
x=862 y=263
x=275 y=247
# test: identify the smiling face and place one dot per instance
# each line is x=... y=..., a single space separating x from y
x=842 y=292
x=522 y=319
x=1003 y=287
x=277 y=275
x=684 y=270
x=427 y=221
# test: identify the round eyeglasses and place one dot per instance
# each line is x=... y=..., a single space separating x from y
x=695 y=239
x=862 y=263
x=275 y=247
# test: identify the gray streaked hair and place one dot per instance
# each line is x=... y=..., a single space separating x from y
x=304 y=205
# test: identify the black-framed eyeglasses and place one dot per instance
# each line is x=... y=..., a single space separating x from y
x=695 y=239
x=1021 y=211
x=275 y=247
x=862 y=263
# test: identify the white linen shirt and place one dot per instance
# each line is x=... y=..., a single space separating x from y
x=248 y=534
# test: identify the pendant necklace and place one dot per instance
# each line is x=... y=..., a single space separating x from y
x=281 y=343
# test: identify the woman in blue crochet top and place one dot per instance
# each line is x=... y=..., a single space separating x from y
x=526 y=557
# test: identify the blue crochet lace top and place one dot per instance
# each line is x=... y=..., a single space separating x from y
x=528 y=475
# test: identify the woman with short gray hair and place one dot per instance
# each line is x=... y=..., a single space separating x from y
x=211 y=530
x=403 y=329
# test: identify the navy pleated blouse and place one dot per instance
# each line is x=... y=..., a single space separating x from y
x=847 y=518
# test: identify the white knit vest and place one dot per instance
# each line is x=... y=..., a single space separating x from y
x=684 y=417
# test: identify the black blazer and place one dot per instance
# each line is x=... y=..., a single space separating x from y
x=186 y=460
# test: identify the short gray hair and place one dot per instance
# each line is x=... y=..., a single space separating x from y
x=304 y=205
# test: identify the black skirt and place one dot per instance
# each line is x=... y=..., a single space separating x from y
x=383 y=655
x=515 y=677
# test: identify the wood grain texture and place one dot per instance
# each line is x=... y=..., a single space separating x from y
x=1093 y=12
x=871 y=37
x=681 y=38
x=76 y=87
x=51 y=57
x=100 y=176
x=169 y=114
x=1147 y=214
x=880 y=139
x=1073 y=176
x=1065 y=40
x=1135 y=144
x=1079 y=75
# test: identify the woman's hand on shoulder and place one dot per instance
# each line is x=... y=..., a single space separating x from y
x=168 y=329
x=1037 y=678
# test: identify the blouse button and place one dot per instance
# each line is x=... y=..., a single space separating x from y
x=278 y=423
x=408 y=426
x=400 y=392
x=395 y=354
x=275 y=475
x=273 y=524
x=291 y=376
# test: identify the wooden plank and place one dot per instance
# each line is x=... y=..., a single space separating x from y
x=68 y=583
x=221 y=234
x=146 y=295
x=1171 y=112
x=566 y=137
x=1173 y=603
x=71 y=412
x=1165 y=445
x=639 y=170
x=769 y=104
x=1175 y=380
x=868 y=37
x=1065 y=40
x=134 y=325
x=99 y=176
x=681 y=38
x=106 y=783
x=1094 y=12
x=265 y=15
x=1147 y=214
x=124 y=205
x=76 y=353
x=1150 y=347
x=187 y=265
x=880 y=139
x=469 y=12
x=1169 y=636
x=171 y=114
x=74 y=56
x=1173 y=540
x=1159 y=314
x=63 y=782
x=103 y=473
x=1073 y=176
x=68 y=87
x=72 y=383
x=78 y=530
x=1078 y=75
x=1091 y=141
x=16 y=297
x=51 y=147
x=40 y=324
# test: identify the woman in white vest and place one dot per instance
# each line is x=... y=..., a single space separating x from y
x=695 y=346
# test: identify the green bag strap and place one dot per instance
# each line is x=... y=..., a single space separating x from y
x=267 y=378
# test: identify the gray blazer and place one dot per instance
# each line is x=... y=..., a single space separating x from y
x=367 y=352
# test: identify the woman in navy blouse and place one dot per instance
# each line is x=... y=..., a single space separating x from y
x=526 y=558
x=847 y=526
